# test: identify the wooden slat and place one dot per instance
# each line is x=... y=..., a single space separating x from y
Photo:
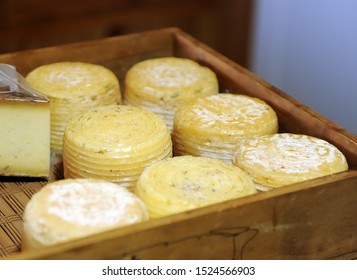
x=10 y=228
x=296 y=222
x=117 y=48
x=14 y=195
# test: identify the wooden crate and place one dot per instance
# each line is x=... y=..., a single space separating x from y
x=316 y=219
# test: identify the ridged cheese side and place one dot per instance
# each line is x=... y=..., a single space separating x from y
x=73 y=87
x=215 y=125
x=161 y=85
x=114 y=143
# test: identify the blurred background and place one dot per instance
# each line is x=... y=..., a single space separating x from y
x=306 y=48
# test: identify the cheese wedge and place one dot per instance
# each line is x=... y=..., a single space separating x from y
x=25 y=135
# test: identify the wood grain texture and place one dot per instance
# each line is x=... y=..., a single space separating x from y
x=297 y=222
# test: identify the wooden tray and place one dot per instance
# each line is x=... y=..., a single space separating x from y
x=315 y=219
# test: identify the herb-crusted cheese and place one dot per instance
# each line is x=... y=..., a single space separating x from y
x=73 y=87
x=161 y=85
x=69 y=209
x=182 y=183
x=214 y=126
x=114 y=143
x=283 y=159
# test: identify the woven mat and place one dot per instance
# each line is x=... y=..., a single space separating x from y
x=14 y=195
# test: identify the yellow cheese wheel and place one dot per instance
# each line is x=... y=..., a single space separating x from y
x=182 y=183
x=161 y=85
x=214 y=126
x=70 y=209
x=283 y=159
x=73 y=87
x=114 y=143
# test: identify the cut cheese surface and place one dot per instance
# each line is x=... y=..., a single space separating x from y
x=214 y=125
x=282 y=159
x=114 y=143
x=25 y=136
x=69 y=209
x=73 y=87
x=183 y=183
x=161 y=85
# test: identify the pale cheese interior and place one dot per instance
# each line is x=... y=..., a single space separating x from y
x=25 y=138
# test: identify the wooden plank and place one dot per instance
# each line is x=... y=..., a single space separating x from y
x=139 y=46
x=296 y=222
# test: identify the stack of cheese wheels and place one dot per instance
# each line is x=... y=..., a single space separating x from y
x=213 y=126
x=70 y=209
x=73 y=87
x=161 y=85
x=186 y=182
x=114 y=143
x=282 y=159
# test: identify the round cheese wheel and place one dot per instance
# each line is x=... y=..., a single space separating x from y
x=213 y=126
x=161 y=85
x=182 y=183
x=69 y=209
x=73 y=87
x=114 y=143
x=282 y=159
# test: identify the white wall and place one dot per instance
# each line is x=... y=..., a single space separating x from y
x=308 y=48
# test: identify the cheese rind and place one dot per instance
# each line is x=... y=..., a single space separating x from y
x=73 y=87
x=182 y=183
x=114 y=143
x=286 y=158
x=214 y=125
x=69 y=209
x=161 y=85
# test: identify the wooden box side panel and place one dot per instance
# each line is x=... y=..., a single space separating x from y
x=293 y=116
x=304 y=224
